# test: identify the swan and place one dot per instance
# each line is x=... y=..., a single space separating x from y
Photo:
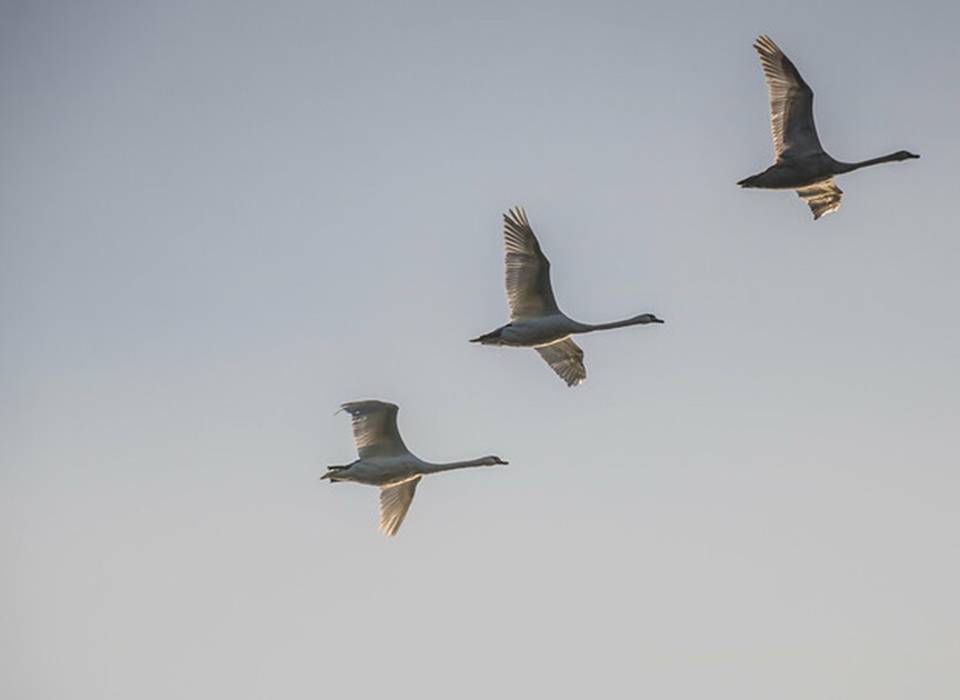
x=536 y=322
x=802 y=164
x=386 y=462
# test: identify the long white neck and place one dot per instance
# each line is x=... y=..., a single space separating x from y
x=431 y=468
x=849 y=167
x=590 y=327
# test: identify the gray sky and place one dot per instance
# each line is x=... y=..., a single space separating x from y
x=219 y=222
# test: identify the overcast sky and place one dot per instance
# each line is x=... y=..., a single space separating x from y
x=220 y=220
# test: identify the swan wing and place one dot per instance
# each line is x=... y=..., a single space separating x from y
x=528 y=271
x=375 y=428
x=822 y=197
x=394 y=503
x=791 y=103
x=566 y=359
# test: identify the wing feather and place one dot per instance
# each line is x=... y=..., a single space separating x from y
x=566 y=359
x=527 y=269
x=394 y=503
x=822 y=197
x=791 y=103
x=375 y=428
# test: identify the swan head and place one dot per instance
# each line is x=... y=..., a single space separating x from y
x=646 y=318
x=492 y=461
x=904 y=155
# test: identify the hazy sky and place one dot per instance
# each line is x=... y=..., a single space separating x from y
x=220 y=220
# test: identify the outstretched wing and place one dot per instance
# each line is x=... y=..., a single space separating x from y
x=375 y=428
x=566 y=359
x=791 y=103
x=394 y=503
x=822 y=197
x=528 y=270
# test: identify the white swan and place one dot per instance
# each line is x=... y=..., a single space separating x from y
x=802 y=164
x=386 y=462
x=536 y=321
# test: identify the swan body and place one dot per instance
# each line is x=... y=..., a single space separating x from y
x=386 y=462
x=801 y=163
x=537 y=321
x=531 y=332
x=789 y=174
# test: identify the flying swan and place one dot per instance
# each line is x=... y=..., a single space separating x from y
x=802 y=164
x=386 y=462
x=536 y=322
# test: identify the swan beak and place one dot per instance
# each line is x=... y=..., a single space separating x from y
x=913 y=155
x=658 y=320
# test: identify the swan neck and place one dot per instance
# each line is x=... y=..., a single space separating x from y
x=842 y=167
x=589 y=327
x=432 y=468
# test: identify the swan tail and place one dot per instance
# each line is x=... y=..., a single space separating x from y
x=333 y=472
x=491 y=338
